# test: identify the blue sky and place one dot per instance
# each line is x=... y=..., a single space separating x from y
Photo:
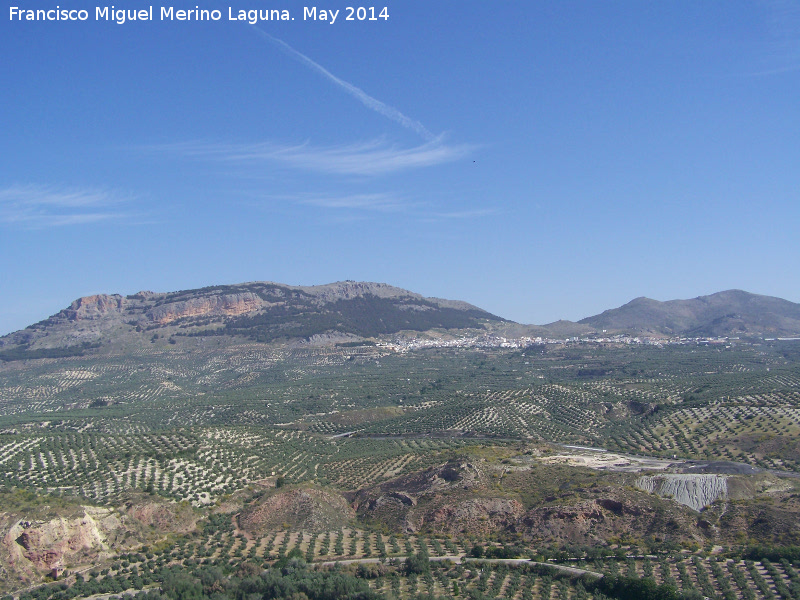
x=542 y=160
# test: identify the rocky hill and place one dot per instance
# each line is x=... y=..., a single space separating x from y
x=261 y=311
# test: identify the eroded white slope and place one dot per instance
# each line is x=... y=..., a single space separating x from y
x=694 y=491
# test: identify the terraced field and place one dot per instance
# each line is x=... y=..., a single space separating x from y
x=194 y=424
x=201 y=464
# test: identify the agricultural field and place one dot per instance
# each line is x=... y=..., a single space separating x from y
x=194 y=425
x=434 y=451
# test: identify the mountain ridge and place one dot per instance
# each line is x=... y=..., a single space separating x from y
x=348 y=311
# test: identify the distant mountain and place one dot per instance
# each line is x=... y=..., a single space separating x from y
x=261 y=312
x=728 y=313
x=347 y=312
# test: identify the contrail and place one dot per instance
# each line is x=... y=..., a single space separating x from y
x=357 y=93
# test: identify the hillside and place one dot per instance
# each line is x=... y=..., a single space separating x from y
x=728 y=313
x=259 y=312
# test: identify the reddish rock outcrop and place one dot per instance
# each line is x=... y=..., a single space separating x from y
x=225 y=305
x=94 y=307
x=47 y=545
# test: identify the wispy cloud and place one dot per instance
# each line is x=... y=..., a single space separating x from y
x=38 y=206
x=360 y=202
x=371 y=103
x=367 y=158
x=471 y=213
x=371 y=158
x=362 y=206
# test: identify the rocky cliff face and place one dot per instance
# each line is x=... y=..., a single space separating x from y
x=94 y=307
x=224 y=305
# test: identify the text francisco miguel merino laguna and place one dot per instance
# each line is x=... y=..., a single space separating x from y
x=170 y=13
